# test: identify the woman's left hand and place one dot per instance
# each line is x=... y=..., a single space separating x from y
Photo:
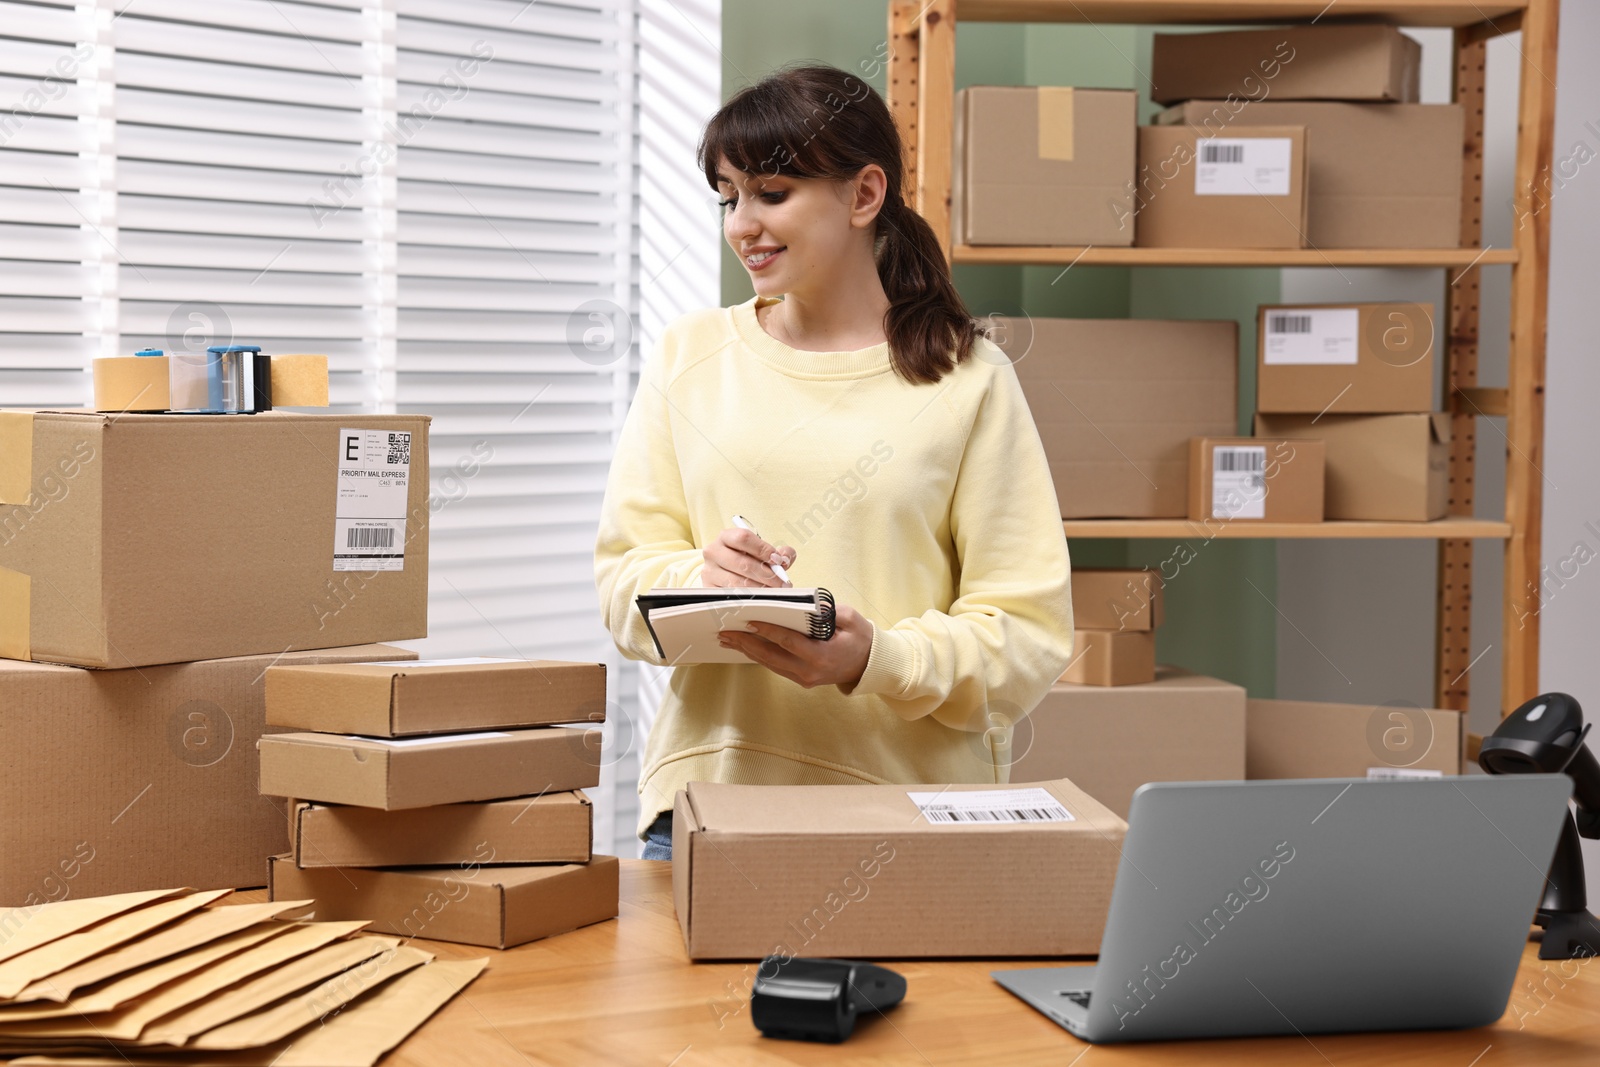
x=804 y=660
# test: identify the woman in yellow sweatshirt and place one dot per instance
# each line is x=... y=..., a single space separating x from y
x=865 y=419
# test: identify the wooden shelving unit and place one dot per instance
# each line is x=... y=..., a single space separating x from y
x=922 y=98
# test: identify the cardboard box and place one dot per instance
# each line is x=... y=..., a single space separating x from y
x=122 y=781
x=1117 y=598
x=1334 y=61
x=438 y=696
x=1242 y=188
x=552 y=828
x=1381 y=175
x=418 y=772
x=497 y=907
x=1112 y=657
x=1304 y=739
x=1379 y=467
x=1179 y=728
x=131 y=540
x=1255 y=479
x=1116 y=401
x=1350 y=359
x=1043 y=165
x=858 y=870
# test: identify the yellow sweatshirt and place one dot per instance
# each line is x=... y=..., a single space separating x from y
x=928 y=508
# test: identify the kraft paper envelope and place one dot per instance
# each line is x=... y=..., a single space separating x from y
x=23 y=929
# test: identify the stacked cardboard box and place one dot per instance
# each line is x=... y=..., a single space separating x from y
x=443 y=797
x=1115 y=612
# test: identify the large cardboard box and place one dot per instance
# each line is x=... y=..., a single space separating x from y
x=497 y=907
x=417 y=772
x=860 y=870
x=1381 y=175
x=1043 y=165
x=1333 y=61
x=1305 y=739
x=551 y=828
x=1117 y=598
x=1241 y=188
x=435 y=696
x=1379 y=467
x=1179 y=728
x=127 y=780
x=1349 y=359
x=130 y=540
x=1116 y=401
x=1112 y=657
x=1256 y=479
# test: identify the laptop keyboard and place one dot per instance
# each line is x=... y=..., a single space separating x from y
x=1080 y=997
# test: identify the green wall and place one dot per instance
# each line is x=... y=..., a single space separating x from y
x=1231 y=582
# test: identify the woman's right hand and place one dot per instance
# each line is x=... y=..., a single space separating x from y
x=739 y=557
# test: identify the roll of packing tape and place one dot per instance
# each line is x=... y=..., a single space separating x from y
x=150 y=383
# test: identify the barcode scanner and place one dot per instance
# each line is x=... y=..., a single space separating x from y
x=819 y=999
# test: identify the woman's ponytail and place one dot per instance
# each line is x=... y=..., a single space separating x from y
x=928 y=325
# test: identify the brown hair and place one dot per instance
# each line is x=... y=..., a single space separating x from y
x=817 y=121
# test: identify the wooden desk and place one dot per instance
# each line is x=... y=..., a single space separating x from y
x=623 y=992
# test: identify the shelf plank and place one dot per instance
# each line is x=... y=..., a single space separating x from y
x=1099 y=256
x=1185 y=529
x=1397 y=12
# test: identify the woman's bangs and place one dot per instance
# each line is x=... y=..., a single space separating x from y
x=762 y=137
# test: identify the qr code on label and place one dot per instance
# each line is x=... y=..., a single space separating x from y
x=399 y=449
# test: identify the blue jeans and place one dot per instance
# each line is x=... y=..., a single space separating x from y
x=658 y=838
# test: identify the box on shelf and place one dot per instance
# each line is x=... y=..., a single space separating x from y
x=418 y=772
x=1335 y=61
x=131 y=540
x=1381 y=175
x=1379 y=467
x=126 y=780
x=1109 y=741
x=435 y=696
x=1241 y=188
x=1348 y=359
x=1117 y=598
x=860 y=870
x=1043 y=165
x=497 y=907
x=1306 y=739
x=551 y=828
x=1112 y=657
x=1116 y=401
x=1255 y=479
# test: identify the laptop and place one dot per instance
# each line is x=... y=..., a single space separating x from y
x=1312 y=906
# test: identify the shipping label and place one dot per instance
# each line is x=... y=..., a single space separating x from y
x=369 y=526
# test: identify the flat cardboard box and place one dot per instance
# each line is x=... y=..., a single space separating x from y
x=131 y=540
x=497 y=907
x=1381 y=175
x=418 y=772
x=1116 y=401
x=1112 y=657
x=1240 y=188
x=434 y=697
x=1349 y=359
x=552 y=828
x=1334 y=61
x=1306 y=739
x=1117 y=598
x=859 y=871
x=1379 y=467
x=1256 y=479
x=127 y=780
x=1181 y=727
x=1043 y=165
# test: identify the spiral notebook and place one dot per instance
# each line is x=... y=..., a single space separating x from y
x=684 y=623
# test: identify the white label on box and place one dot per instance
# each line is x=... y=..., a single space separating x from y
x=1401 y=773
x=413 y=663
x=369 y=526
x=1239 y=482
x=1242 y=166
x=416 y=742
x=1312 y=335
x=991 y=805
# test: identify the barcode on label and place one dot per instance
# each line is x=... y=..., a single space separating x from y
x=1221 y=153
x=991 y=806
x=1401 y=774
x=369 y=537
x=1241 y=459
x=994 y=815
x=399 y=449
x=1288 y=323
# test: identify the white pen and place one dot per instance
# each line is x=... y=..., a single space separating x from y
x=744 y=523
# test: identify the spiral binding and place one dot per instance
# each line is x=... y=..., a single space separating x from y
x=822 y=621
